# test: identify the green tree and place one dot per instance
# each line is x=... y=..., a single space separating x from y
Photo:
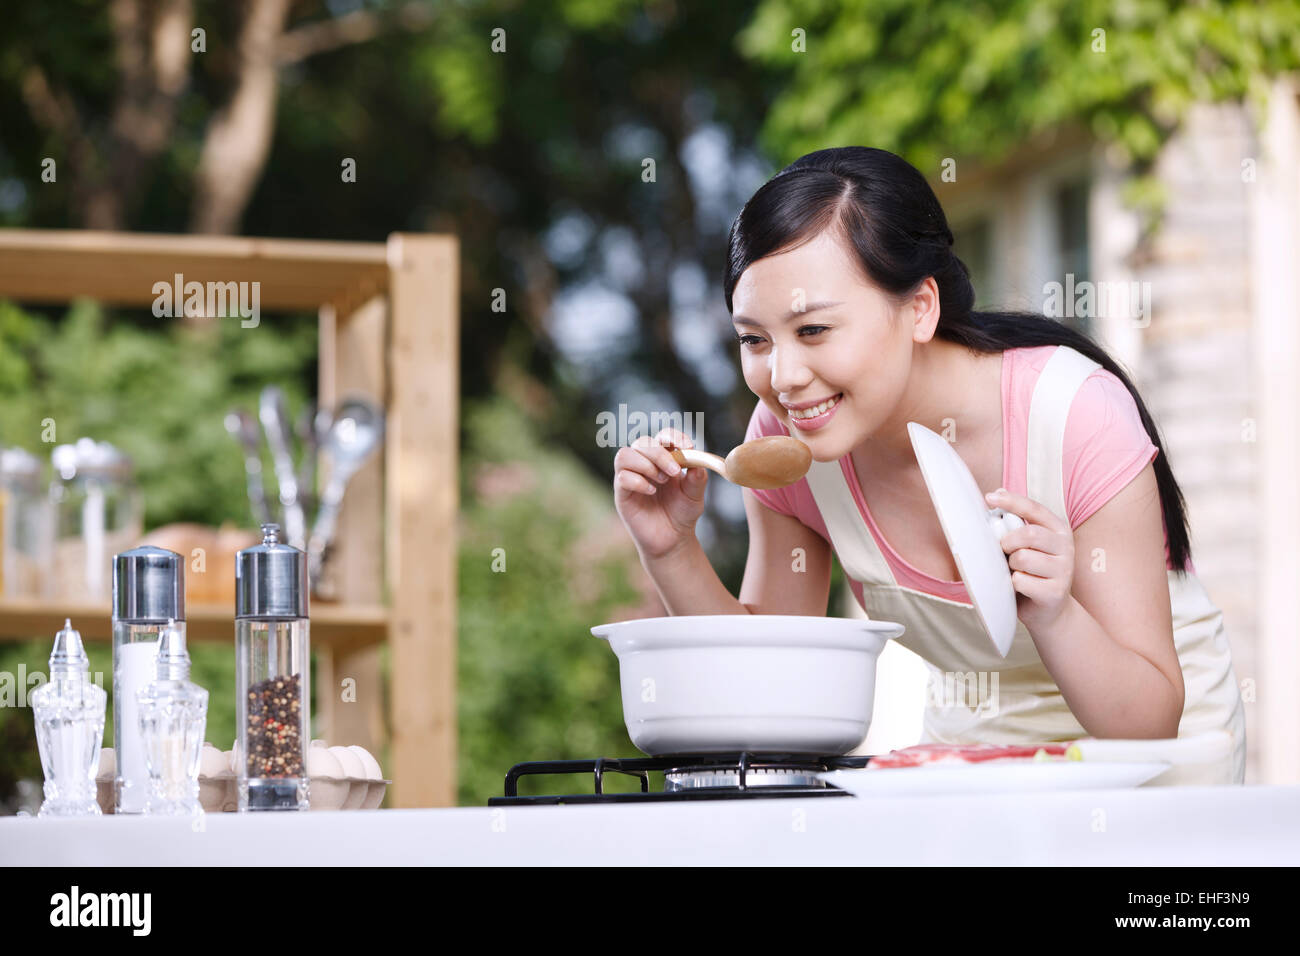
x=974 y=80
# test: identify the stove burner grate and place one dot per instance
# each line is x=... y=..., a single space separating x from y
x=741 y=775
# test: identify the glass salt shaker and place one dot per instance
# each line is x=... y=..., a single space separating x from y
x=173 y=718
x=96 y=512
x=69 y=713
x=148 y=592
x=272 y=674
x=28 y=531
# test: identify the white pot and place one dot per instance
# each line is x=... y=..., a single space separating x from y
x=758 y=682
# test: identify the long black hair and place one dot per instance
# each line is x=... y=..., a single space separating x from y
x=885 y=209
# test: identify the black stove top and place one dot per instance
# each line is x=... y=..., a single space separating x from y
x=718 y=776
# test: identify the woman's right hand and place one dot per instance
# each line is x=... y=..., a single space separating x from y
x=658 y=500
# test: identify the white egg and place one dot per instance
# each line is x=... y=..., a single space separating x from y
x=356 y=773
x=352 y=765
x=368 y=761
x=213 y=762
x=321 y=762
x=328 y=784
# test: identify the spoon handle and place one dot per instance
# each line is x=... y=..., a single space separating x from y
x=693 y=458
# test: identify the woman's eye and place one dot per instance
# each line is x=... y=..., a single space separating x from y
x=804 y=332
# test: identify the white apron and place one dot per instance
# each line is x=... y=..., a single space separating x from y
x=1016 y=701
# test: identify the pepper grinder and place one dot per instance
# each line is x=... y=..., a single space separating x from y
x=173 y=718
x=272 y=674
x=69 y=713
x=148 y=592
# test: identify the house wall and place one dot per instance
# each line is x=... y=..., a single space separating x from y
x=1216 y=363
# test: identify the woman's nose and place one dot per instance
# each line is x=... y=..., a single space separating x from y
x=789 y=373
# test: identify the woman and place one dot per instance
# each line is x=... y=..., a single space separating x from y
x=853 y=318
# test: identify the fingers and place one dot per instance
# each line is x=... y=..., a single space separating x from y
x=1032 y=536
x=674 y=437
x=1034 y=562
x=1027 y=508
x=649 y=462
x=658 y=456
x=629 y=481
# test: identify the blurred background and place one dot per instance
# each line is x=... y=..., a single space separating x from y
x=589 y=156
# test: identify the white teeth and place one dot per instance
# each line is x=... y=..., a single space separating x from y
x=816 y=409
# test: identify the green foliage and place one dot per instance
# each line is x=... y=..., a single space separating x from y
x=534 y=683
x=958 y=79
x=159 y=390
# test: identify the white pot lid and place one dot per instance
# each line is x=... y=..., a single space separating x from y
x=974 y=533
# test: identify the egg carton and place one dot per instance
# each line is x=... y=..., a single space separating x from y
x=219 y=786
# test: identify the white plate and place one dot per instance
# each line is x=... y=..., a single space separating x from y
x=993 y=778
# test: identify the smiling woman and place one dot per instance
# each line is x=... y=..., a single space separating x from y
x=853 y=318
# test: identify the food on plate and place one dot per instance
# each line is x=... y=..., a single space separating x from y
x=929 y=755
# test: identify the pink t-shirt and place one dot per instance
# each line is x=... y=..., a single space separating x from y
x=1106 y=447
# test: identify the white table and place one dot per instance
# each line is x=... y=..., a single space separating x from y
x=1148 y=826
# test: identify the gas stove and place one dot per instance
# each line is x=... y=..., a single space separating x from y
x=718 y=776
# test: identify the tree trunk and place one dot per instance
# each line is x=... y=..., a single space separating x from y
x=239 y=136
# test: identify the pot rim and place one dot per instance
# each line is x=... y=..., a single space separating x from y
x=769 y=630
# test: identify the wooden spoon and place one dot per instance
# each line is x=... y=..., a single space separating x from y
x=773 y=461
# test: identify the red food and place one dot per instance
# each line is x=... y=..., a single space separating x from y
x=923 y=755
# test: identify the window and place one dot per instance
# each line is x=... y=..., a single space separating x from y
x=1070 y=208
x=972 y=242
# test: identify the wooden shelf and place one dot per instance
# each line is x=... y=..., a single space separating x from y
x=337 y=626
x=389 y=330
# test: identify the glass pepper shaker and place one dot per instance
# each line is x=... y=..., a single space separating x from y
x=173 y=719
x=69 y=713
x=272 y=674
x=148 y=593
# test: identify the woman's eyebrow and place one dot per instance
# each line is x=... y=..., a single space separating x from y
x=810 y=307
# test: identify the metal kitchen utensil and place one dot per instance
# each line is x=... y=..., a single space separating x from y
x=271 y=410
x=305 y=428
x=244 y=430
x=356 y=432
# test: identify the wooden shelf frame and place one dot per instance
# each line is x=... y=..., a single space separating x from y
x=389 y=330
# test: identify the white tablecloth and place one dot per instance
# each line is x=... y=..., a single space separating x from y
x=1149 y=826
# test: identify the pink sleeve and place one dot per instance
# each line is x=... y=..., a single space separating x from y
x=762 y=422
x=1106 y=446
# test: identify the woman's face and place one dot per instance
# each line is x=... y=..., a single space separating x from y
x=814 y=330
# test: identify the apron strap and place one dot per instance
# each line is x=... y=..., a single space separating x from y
x=855 y=546
x=1049 y=410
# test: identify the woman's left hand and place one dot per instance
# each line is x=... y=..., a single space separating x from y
x=1041 y=558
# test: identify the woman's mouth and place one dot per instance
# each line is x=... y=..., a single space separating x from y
x=811 y=419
